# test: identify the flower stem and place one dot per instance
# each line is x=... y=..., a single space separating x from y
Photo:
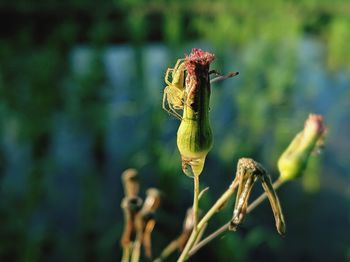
x=213 y=210
x=173 y=245
x=126 y=254
x=225 y=227
x=195 y=202
x=136 y=252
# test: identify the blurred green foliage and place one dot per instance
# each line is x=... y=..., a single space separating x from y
x=80 y=101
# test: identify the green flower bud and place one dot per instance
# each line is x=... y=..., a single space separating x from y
x=194 y=136
x=293 y=161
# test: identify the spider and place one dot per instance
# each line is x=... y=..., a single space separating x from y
x=174 y=93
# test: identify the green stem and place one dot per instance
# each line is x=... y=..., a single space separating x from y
x=225 y=227
x=195 y=202
x=136 y=252
x=174 y=245
x=126 y=254
x=213 y=210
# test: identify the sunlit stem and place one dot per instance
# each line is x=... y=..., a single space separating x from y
x=136 y=252
x=168 y=250
x=225 y=227
x=212 y=211
x=126 y=254
x=195 y=202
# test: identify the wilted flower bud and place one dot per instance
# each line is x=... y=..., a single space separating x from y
x=152 y=201
x=131 y=206
x=293 y=161
x=194 y=136
x=248 y=171
x=131 y=183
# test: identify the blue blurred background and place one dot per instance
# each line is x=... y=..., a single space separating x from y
x=81 y=85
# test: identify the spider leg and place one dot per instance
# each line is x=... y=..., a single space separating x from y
x=169 y=109
x=223 y=77
x=214 y=72
x=166 y=78
x=176 y=67
x=174 y=112
x=178 y=62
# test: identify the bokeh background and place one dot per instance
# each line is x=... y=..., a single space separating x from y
x=81 y=85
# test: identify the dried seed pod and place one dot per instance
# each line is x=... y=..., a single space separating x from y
x=245 y=179
x=145 y=220
x=293 y=161
x=275 y=203
x=248 y=171
x=152 y=201
x=194 y=136
x=131 y=206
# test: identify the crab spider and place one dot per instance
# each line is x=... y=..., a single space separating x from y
x=174 y=96
x=174 y=93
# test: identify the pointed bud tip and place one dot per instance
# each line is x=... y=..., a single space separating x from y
x=315 y=124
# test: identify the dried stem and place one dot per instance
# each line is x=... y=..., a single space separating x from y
x=225 y=227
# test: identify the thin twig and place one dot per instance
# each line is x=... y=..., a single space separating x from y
x=126 y=254
x=136 y=252
x=200 y=234
x=172 y=247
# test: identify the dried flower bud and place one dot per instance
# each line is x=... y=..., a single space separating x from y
x=247 y=173
x=194 y=136
x=152 y=201
x=145 y=220
x=293 y=161
x=133 y=204
x=131 y=183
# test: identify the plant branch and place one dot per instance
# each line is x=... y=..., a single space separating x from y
x=136 y=252
x=213 y=210
x=225 y=227
x=126 y=254
x=173 y=245
x=195 y=202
